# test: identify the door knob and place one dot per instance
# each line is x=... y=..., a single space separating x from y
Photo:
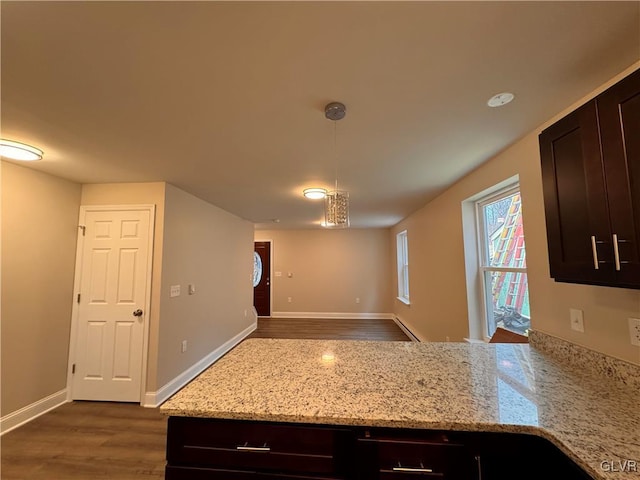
x=137 y=313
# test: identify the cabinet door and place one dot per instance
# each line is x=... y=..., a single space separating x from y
x=619 y=113
x=575 y=201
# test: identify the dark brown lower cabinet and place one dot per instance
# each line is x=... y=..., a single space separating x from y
x=203 y=448
x=391 y=455
x=211 y=449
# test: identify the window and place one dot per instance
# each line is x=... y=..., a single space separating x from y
x=402 y=251
x=502 y=258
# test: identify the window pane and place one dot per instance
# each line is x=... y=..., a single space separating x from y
x=504 y=237
x=507 y=302
x=403 y=265
x=405 y=284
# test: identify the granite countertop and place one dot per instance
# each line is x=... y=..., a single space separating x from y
x=451 y=386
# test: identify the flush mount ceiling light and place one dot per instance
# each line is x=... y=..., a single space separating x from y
x=336 y=202
x=314 y=193
x=19 y=151
x=500 y=99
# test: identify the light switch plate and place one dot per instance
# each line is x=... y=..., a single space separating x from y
x=175 y=291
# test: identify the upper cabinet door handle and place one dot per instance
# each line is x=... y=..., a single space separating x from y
x=595 y=252
x=616 y=253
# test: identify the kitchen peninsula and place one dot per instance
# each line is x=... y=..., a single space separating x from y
x=323 y=398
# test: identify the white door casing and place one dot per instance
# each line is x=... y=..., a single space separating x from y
x=110 y=323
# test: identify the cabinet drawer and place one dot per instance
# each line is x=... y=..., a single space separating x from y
x=239 y=445
x=390 y=459
x=201 y=473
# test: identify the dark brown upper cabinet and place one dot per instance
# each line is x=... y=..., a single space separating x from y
x=591 y=182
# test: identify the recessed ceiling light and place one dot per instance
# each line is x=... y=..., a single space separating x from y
x=19 y=151
x=500 y=99
x=314 y=193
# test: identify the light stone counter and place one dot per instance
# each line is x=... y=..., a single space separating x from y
x=452 y=386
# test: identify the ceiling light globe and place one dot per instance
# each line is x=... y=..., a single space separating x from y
x=500 y=99
x=19 y=151
x=315 y=193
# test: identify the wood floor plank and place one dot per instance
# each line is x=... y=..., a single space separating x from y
x=124 y=441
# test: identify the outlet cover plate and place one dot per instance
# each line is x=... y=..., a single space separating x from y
x=577 y=320
x=634 y=331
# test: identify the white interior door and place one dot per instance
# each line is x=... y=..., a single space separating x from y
x=113 y=288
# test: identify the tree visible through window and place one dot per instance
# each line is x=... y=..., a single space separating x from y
x=503 y=262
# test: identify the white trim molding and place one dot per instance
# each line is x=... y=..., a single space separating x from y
x=408 y=333
x=155 y=399
x=18 y=418
x=409 y=329
x=334 y=315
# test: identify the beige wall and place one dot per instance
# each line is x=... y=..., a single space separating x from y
x=212 y=249
x=39 y=234
x=330 y=269
x=437 y=277
x=152 y=193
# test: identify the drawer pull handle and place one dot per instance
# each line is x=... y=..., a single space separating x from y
x=420 y=469
x=247 y=448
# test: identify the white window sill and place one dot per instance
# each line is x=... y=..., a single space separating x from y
x=474 y=340
x=404 y=300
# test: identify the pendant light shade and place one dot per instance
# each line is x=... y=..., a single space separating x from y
x=336 y=209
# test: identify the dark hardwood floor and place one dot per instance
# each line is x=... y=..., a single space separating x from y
x=123 y=441
x=85 y=441
x=334 y=329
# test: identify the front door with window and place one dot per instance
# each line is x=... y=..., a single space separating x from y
x=262 y=278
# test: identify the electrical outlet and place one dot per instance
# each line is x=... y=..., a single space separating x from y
x=577 y=320
x=289 y=300
x=184 y=346
x=634 y=331
x=357 y=299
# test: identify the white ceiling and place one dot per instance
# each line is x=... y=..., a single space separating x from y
x=226 y=99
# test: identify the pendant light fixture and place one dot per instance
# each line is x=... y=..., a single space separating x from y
x=336 y=202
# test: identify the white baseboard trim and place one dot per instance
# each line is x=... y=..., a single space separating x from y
x=408 y=332
x=329 y=315
x=155 y=399
x=18 y=418
x=474 y=340
x=407 y=328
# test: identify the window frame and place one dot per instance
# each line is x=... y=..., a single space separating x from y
x=484 y=267
x=402 y=257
